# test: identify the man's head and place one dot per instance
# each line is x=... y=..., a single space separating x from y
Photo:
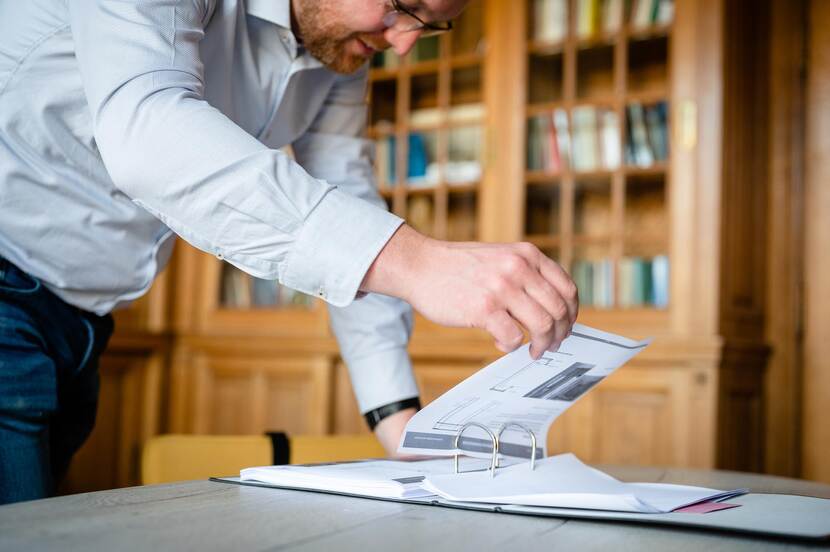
x=343 y=34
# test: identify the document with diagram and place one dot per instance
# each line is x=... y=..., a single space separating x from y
x=520 y=390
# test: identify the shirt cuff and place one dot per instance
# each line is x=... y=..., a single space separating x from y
x=337 y=244
x=382 y=378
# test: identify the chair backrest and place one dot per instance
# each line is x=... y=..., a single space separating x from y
x=168 y=458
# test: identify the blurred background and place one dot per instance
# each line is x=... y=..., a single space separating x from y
x=671 y=154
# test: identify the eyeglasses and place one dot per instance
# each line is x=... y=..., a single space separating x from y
x=405 y=20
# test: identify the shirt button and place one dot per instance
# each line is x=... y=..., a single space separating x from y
x=321 y=292
x=220 y=256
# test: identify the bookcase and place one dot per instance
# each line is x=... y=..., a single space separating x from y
x=591 y=128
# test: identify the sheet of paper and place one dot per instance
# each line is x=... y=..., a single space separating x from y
x=517 y=388
x=563 y=481
x=377 y=478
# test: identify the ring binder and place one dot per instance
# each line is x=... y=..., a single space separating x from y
x=494 y=437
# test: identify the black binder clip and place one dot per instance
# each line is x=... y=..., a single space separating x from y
x=494 y=437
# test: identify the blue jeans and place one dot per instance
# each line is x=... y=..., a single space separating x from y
x=48 y=383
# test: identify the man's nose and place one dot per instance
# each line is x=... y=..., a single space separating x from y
x=401 y=41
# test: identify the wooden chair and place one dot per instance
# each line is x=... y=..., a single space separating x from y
x=168 y=458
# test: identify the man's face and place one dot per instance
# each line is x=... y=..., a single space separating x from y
x=344 y=34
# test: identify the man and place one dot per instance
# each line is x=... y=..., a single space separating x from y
x=124 y=122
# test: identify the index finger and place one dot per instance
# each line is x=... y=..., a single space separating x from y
x=562 y=282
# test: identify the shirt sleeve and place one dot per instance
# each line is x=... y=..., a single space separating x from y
x=373 y=332
x=211 y=182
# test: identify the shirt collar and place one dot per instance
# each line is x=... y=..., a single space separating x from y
x=275 y=11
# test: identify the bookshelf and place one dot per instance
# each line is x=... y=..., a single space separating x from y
x=597 y=177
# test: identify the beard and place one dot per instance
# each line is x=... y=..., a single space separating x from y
x=328 y=40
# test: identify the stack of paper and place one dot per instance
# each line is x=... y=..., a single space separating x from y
x=375 y=478
x=564 y=482
x=556 y=482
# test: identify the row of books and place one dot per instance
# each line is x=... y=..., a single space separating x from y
x=463 y=164
x=595 y=282
x=242 y=291
x=594 y=142
x=550 y=17
x=643 y=282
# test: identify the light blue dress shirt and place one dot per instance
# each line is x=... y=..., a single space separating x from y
x=122 y=122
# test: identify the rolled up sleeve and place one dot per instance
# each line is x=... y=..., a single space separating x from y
x=373 y=332
x=193 y=168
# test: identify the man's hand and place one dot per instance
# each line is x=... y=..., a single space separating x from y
x=389 y=430
x=500 y=288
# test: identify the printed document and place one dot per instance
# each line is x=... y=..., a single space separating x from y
x=516 y=388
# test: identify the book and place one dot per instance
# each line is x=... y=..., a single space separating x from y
x=642 y=13
x=550 y=20
x=658 y=137
x=660 y=281
x=641 y=153
x=588 y=18
x=612 y=15
x=585 y=138
x=563 y=136
x=665 y=12
x=610 y=136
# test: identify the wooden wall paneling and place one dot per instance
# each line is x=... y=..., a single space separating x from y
x=816 y=435
x=741 y=407
x=785 y=239
x=218 y=393
x=745 y=142
x=502 y=193
x=435 y=377
x=743 y=231
x=129 y=413
x=696 y=95
x=660 y=409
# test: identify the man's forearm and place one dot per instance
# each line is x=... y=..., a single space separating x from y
x=389 y=430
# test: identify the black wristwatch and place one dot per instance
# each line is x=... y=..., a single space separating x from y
x=373 y=417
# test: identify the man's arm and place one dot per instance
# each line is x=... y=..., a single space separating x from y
x=187 y=163
x=373 y=331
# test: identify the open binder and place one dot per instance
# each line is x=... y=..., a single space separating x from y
x=772 y=515
x=788 y=516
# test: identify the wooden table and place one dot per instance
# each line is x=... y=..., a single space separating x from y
x=205 y=515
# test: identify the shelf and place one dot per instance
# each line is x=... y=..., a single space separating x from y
x=545 y=48
x=599 y=40
x=541 y=177
x=382 y=74
x=648 y=33
x=543 y=241
x=462 y=61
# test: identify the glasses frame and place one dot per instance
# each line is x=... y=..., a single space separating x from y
x=429 y=29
